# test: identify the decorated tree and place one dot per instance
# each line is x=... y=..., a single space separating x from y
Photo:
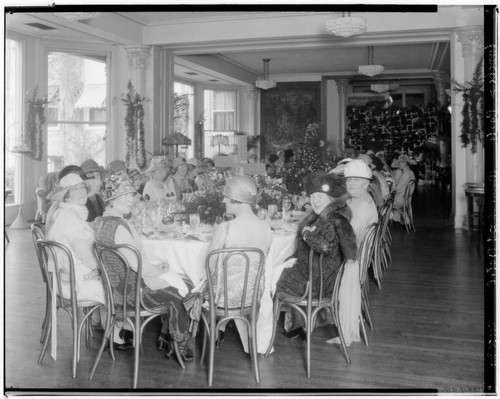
x=134 y=126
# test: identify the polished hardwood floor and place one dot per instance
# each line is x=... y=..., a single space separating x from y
x=428 y=330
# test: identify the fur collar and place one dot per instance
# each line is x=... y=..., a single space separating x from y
x=338 y=206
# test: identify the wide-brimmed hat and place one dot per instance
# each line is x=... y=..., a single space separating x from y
x=320 y=182
x=133 y=173
x=366 y=159
x=90 y=166
x=117 y=185
x=158 y=162
x=65 y=184
x=179 y=161
x=116 y=166
x=358 y=168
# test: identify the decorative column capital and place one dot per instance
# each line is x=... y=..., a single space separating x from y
x=472 y=39
x=251 y=93
x=137 y=56
x=342 y=85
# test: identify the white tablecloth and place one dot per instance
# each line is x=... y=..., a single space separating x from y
x=187 y=257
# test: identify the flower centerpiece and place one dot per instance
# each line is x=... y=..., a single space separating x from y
x=209 y=202
x=270 y=191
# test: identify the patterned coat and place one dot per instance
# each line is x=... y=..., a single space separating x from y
x=334 y=233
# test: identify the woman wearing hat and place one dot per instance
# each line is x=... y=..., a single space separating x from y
x=178 y=182
x=66 y=224
x=400 y=184
x=245 y=230
x=94 y=204
x=160 y=288
x=327 y=226
x=155 y=189
x=204 y=168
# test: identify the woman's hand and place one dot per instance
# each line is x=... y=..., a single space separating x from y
x=164 y=266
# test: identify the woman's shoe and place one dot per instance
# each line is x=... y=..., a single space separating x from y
x=220 y=338
x=162 y=342
x=186 y=353
x=297 y=332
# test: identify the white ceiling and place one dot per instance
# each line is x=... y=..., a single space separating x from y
x=419 y=59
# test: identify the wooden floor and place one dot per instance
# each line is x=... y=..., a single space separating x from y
x=428 y=330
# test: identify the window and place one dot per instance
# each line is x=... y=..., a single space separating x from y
x=78 y=117
x=184 y=116
x=14 y=101
x=220 y=110
x=220 y=122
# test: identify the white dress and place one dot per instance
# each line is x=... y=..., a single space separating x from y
x=69 y=227
x=154 y=192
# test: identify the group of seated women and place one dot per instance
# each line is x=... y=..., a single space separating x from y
x=341 y=211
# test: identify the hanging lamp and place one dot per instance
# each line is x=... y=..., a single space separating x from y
x=265 y=83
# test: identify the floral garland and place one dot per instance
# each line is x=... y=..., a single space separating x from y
x=34 y=121
x=472 y=93
x=134 y=126
x=269 y=191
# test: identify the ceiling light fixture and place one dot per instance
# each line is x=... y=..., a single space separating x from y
x=346 y=26
x=265 y=83
x=370 y=69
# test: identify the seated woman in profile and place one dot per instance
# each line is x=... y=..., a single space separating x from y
x=178 y=182
x=326 y=227
x=245 y=230
x=205 y=166
x=156 y=189
x=95 y=204
x=114 y=229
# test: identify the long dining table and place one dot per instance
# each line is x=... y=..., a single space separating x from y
x=186 y=256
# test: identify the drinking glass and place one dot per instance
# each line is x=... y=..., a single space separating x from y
x=194 y=220
x=262 y=213
x=287 y=204
x=272 y=209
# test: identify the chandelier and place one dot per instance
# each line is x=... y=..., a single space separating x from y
x=370 y=69
x=384 y=87
x=265 y=83
x=346 y=26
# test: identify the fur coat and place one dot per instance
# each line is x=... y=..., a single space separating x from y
x=333 y=233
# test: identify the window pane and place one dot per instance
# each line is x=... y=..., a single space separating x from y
x=14 y=100
x=76 y=84
x=77 y=114
x=220 y=111
x=184 y=118
x=71 y=144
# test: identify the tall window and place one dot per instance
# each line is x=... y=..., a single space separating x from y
x=184 y=115
x=78 y=117
x=14 y=100
x=220 y=121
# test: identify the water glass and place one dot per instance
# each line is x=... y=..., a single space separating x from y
x=262 y=213
x=287 y=204
x=272 y=209
x=194 y=220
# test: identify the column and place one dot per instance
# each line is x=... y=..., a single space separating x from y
x=472 y=40
x=342 y=86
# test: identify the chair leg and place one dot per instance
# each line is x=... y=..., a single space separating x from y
x=363 y=330
x=364 y=309
x=212 y=351
x=48 y=337
x=179 y=355
x=46 y=320
x=276 y=313
x=110 y=325
x=254 y=350
x=76 y=341
x=205 y=338
x=137 y=348
x=341 y=334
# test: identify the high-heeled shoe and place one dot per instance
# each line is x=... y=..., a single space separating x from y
x=297 y=332
x=220 y=338
x=186 y=353
x=162 y=342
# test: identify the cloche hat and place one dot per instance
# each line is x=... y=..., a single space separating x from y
x=241 y=188
x=158 y=162
x=358 y=168
x=90 y=166
x=179 y=161
x=64 y=185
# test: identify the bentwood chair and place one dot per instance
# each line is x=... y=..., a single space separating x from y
x=312 y=305
x=245 y=265
x=124 y=299
x=407 y=211
x=55 y=252
x=383 y=236
x=38 y=233
x=366 y=257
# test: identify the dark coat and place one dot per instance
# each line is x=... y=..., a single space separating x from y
x=333 y=234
